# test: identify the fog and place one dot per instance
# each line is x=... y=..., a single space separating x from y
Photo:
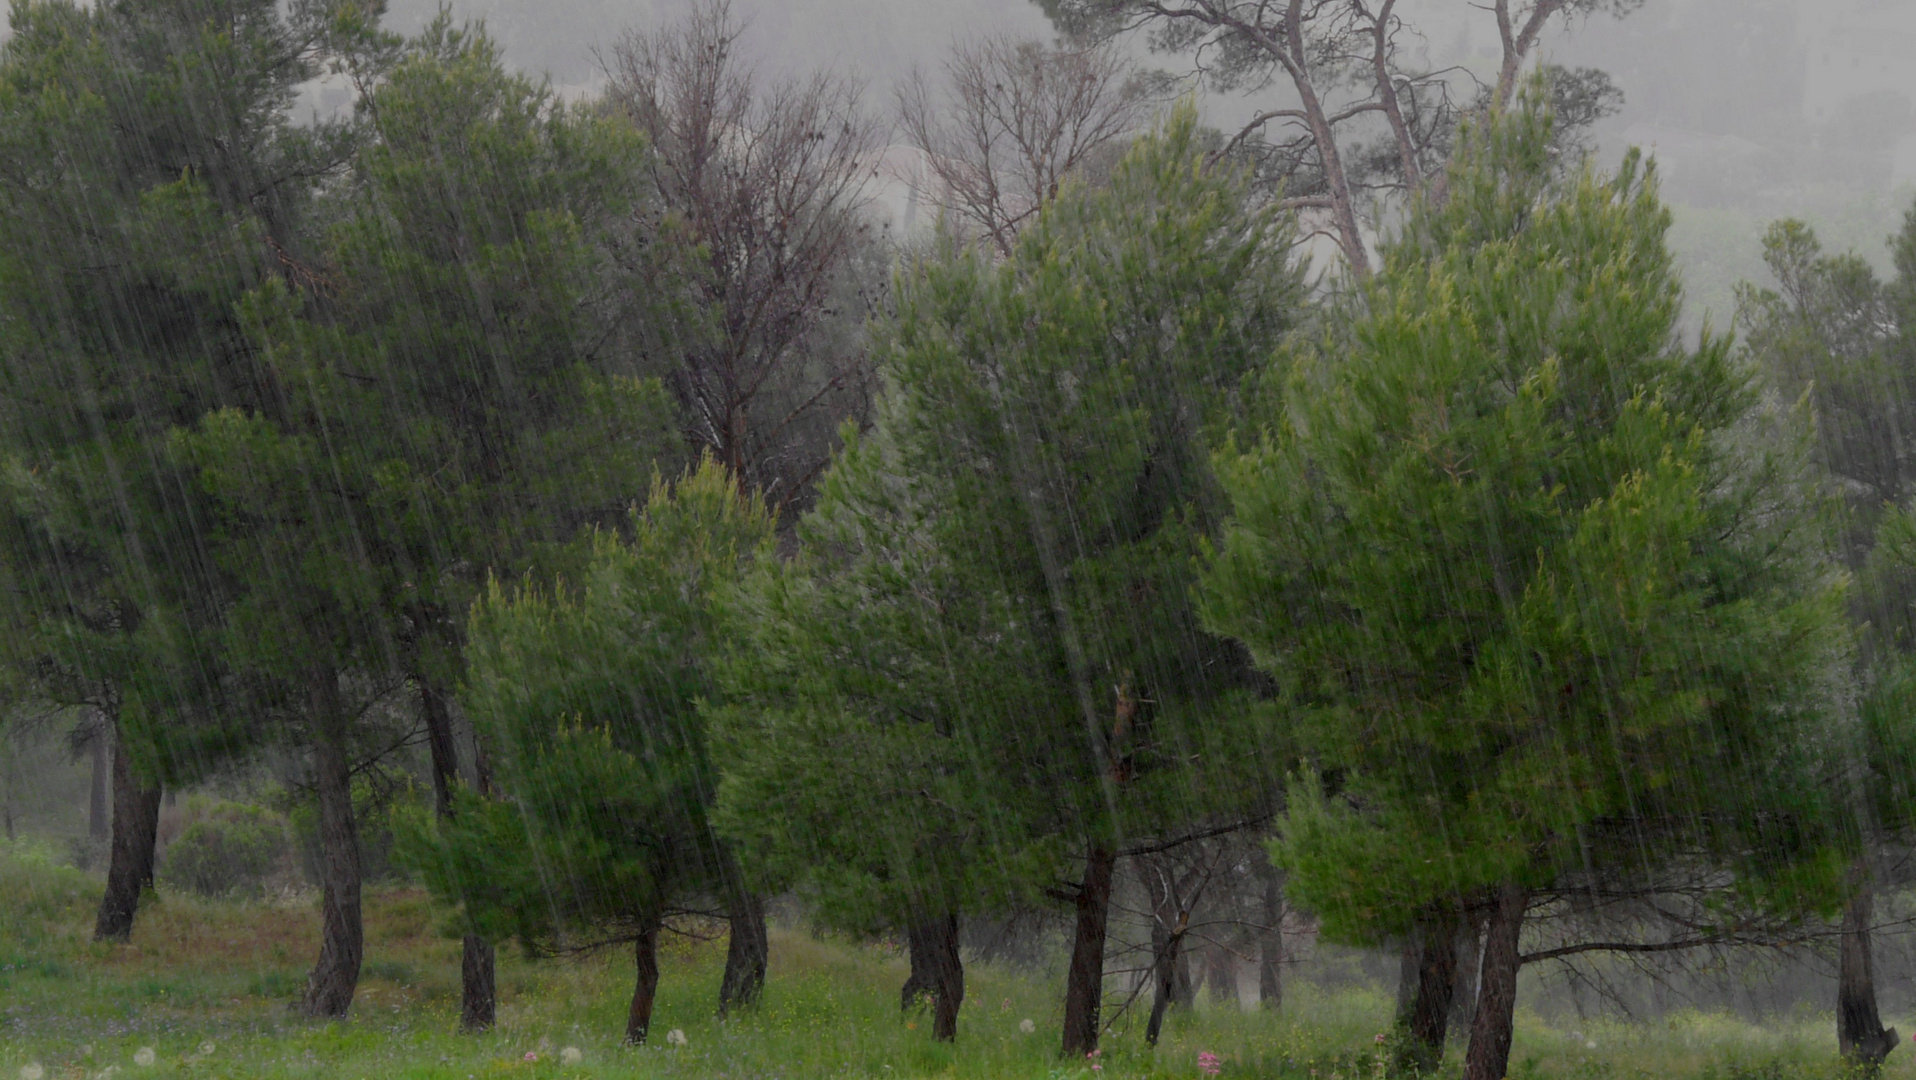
x=1754 y=109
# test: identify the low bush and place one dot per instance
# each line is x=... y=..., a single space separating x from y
x=229 y=849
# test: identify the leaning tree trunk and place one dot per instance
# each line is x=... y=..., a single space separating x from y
x=1270 y=946
x=1084 y=983
x=478 y=981
x=335 y=976
x=1427 y=1020
x=748 y=947
x=1860 y=1034
x=645 y=985
x=937 y=973
x=1490 y=1035
x=136 y=823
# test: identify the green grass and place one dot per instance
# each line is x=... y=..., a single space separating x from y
x=206 y=985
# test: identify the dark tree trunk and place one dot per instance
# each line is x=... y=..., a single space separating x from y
x=1489 y=1054
x=136 y=823
x=1270 y=946
x=1463 y=999
x=1860 y=1034
x=748 y=948
x=335 y=976
x=99 y=823
x=1427 y=1021
x=478 y=983
x=1084 y=983
x=937 y=973
x=645 y=986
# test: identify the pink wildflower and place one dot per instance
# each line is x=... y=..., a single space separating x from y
x=530 y=1056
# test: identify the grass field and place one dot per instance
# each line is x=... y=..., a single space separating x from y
x=204 y=987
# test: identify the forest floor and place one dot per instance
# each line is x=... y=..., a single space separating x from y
x=203 y=986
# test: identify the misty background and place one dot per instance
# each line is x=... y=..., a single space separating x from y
x=1754 y=109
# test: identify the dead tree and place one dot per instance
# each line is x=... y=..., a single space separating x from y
x=768 y=181
x=1365 y=119
x=1013 y=120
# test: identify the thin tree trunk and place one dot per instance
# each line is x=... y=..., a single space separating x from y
x=1490 y=1035
x=1270 y=942
x=645 y=986
x=478 y=982
x=136 y=823
x=1084 y=983
x=937 y=973
x=1170 y=968
x=1860 y=1034
x=747 y=951
x=335 y=976
x=1427 y=1021
x=99 y=819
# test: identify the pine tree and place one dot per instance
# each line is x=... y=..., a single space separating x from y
x=590 y=690
x=982 y=678
x=1542 y=612
x=456 y=387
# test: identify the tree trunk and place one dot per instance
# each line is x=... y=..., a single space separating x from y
x=1270 y=946
x=99 y=824
x=478 y=983
x=1170 y=968
x=1860 y=1034
x=937 y=973
x=136 y=823
x=1084 y=984
x=335 y=976
x=1489 y=1054
x=1427 y=1021
x=645 y=986
x=746 y=953
x=1220 y=974
x=1463 y=999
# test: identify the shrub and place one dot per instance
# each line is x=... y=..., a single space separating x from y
x=229 y=851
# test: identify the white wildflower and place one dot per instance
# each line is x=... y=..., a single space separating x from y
x=675 y=1037
x=145 y=1057
x=206 y=1049
x=571 y=1056
x=1027 y=1026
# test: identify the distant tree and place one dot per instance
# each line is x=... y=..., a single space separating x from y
x=153 y=175
x=1543 y=618
x=590 y=692
x=768 y=181
x=1841 y=342
x=456 y=389
x=1013 y=120
x=1367 y=118
x=982 y=674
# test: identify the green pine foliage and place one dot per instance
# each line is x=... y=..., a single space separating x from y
x=589 y=691
x=1537 y=608
x=983 y=657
